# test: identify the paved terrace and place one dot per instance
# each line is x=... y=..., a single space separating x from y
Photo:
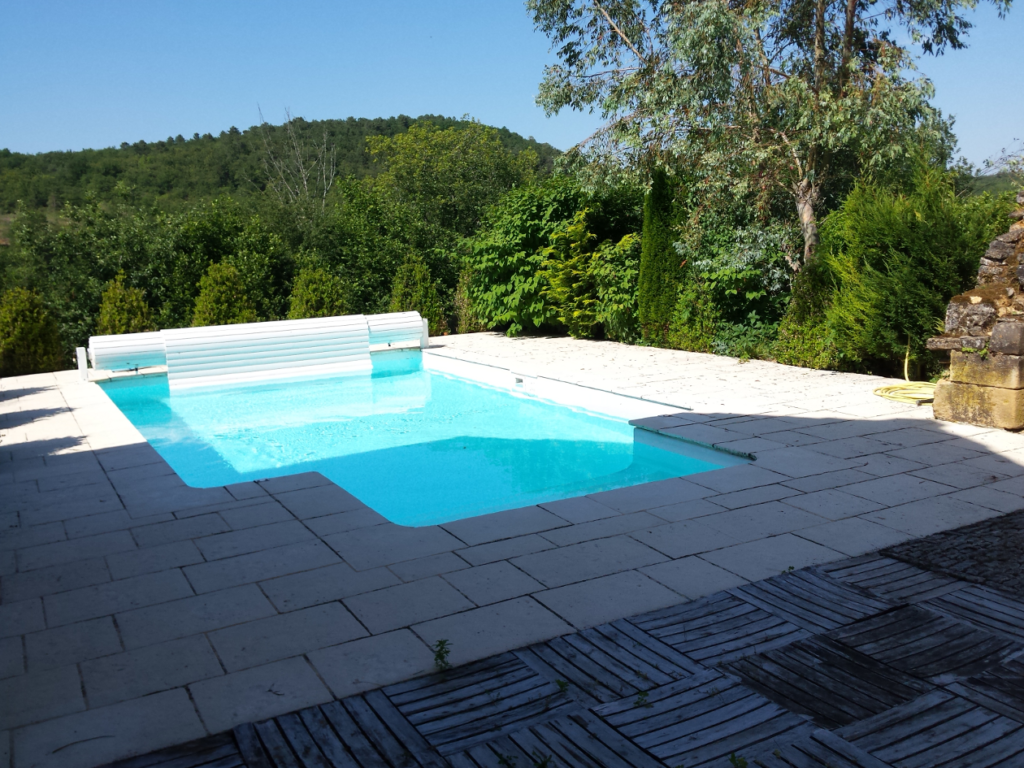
x=138 y=613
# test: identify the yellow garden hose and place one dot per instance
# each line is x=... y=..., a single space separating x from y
x=916 y=392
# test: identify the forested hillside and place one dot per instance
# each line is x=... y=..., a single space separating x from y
x=814 y=213
x=182 y=170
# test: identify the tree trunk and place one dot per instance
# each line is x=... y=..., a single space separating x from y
x=806 y=200
x=819 y=45
x=848 y=33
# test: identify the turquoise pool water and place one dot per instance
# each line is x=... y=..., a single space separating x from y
x=418 y=447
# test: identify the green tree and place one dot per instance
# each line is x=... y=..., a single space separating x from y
x=29 y=337
x=896 y=258
x=264 y=267
x=317 y=293
x=415 y=290
x=446 y=179
x=769 y=97
x=123 y=309
x=505 y=257
x=592 y=284
x=222 y=299
x=659 y=262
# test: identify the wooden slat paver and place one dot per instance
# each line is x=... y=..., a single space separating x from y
x=608 y=662
x=821 y=749
x=834 y=684
x=578 y=740
x=983 y=607
x=220 y=751
x=1000 y=689
x=703 y=719
x=939 y=730
x=719 y=628
x=478 y=702
x=892 y=580
x=927 y=645
x=812 y=600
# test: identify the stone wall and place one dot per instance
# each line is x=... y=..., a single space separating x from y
x=984 y=334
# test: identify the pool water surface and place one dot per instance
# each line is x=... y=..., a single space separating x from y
x=417 y=446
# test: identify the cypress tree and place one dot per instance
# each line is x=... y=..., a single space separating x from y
x=222 y=299
x=317 y=293
x=659 y=262
x=415 y=290
x=123 y=309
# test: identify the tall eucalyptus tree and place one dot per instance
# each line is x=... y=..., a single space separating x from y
x=756 y=96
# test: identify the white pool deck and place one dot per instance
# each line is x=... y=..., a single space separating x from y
x=137 y=613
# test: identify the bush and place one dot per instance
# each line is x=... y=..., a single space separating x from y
x=123 y=309
x=317 y=293
x=591 y=285
x=659 y=262
x=735 y=288
x=505 y=257
x=468 y=321
x=29 y=337
x=222 y=299
x=414 y=290
x=896 y=258
x=694 y=321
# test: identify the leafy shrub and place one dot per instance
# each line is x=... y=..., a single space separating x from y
x=735 y=289
x=616 y=271
x=659 y=263
x=414 y=290
x=263 y=267
x=222 y=299
x=592 y=285
x=570 y=280
x=695 y=319
x=505 y=257
x=467 y=319
x=896 y=258
x=29 y=336
x=805 y=338
x=123 y=309
x=317 y=293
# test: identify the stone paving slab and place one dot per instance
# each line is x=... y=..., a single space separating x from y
x=838 y=472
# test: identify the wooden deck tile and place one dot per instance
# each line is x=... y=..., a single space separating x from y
x=821 y=749
x=985 y=608
x=702 y=720
x=218 y=751
x=834 y=684
x=579 y=740
x=608 y=662
x=891 y=579
x=719 y=628
x=940 y=730
x=1001 y=689
x=478 y=702
x=359 y=732
x=811 y=600
x=926 y=645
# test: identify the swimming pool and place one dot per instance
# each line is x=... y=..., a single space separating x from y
x=419 y=445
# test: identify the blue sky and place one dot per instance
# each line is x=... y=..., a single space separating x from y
x=77 y=74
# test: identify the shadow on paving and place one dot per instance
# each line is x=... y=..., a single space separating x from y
x=864 y=663
x=990 y=552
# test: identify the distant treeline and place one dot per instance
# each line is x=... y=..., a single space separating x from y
x=182 y=170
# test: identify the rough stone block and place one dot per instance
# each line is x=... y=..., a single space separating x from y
x=1007 y=339
x=973 y=404
x=1005 y=371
